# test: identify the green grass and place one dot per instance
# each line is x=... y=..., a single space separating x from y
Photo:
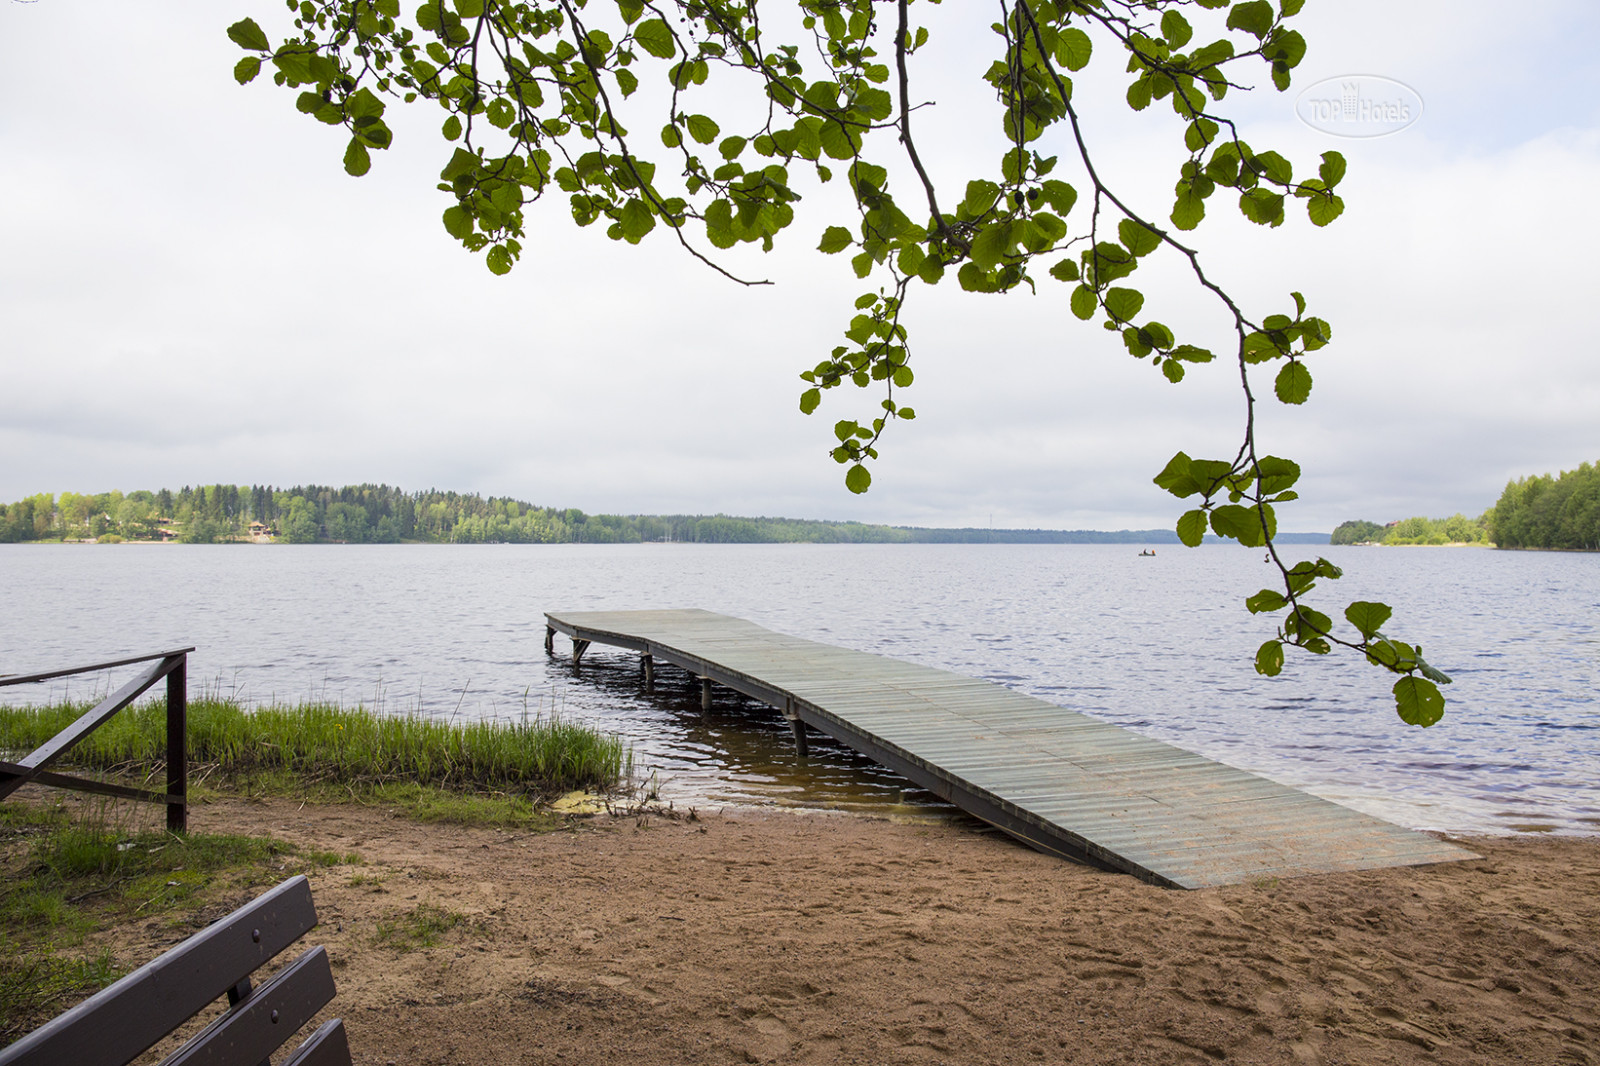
x=422 y=927
x=71 y=873
x=36 y=984
x=321 y=743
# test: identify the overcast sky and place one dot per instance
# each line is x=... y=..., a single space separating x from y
x=191 y=290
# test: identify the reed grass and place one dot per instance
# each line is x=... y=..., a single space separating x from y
x=328 y=743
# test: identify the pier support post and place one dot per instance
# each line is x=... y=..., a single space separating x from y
x=549 y=640
x=578 y=648
x=797 y=727
x=705 y=693
x=648 y=662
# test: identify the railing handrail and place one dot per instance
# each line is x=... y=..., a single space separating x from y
x=23 y=679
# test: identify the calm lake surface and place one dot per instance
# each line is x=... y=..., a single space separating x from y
x=1159 y=645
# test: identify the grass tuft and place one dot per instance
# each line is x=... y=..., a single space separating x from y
x=422 y=927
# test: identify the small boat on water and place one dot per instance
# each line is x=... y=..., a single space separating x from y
x=1147 y=551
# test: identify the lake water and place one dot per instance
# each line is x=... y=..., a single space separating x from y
x=1160 y=645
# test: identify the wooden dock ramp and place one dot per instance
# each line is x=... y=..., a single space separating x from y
x=1060 y=781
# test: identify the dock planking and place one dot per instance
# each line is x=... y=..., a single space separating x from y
x=1059 y=781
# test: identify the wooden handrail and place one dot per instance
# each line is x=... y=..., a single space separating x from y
x=171 y=665
x=23 y=679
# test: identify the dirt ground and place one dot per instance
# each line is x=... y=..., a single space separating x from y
x=827 y=939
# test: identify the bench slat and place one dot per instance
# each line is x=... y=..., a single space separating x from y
x=121 y=1022
x=275 y=1011
x=325 y=1047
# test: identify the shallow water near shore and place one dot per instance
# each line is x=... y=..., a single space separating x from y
x=1161 y=645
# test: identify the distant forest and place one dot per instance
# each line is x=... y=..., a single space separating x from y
x=382 y=514
x=1457 y=529
x=1550 y=512
x=1544 y=511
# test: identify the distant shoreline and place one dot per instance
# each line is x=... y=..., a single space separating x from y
x=1135 y=538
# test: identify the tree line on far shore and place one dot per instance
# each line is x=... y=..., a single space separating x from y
x=384 y=514
x=1457 y=529
x=1559 y=511
x=1550 y=512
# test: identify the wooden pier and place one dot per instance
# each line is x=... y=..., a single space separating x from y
x=1060 y=781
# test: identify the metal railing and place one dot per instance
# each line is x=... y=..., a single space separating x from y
x=172 y=665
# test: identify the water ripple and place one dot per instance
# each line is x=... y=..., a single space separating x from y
x=1158 y=645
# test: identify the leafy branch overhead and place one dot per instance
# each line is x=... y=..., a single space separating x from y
x=538 y=96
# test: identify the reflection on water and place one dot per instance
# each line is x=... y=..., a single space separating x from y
x=742 y=751
x=1157 y=644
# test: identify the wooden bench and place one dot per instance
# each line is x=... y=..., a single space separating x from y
x=121 y=1022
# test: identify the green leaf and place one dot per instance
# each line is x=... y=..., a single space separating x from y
x=636 y=221
x=1189 y=208
x=1262 y=206
x=1158 y=335
x=1324 y=208
x=1175 y=28
x=1418 y=701
x=1172 y=370
x=1177 y=477
x=1332 y=169
x=1266 y=600
x=1269 y=659
x=655 y=37
x=246 y=69
x=1066 y=270
x=835 y=239
x=1294 y=383
x=1059 y=195
x=1276 y=474
x=461 y=162
x=452 y=128
x=702 y=128
x=1136 y=238
x=1139 y=94
x=1253 y=17
x=363 y=104
x=1192 y=527
x=1073 y=48
x=1084 y=303
x=498 y=260
x=991 y=244
x=670 y=136
x=1430 y=672
x=1307 y=625
x=356 y=160
x=246 y=34
x=1238 y=523
x=980 y=197
x=1368 y=617
x=809 y=400
x=1123 y=304
x=858 y=479
x=457 y=222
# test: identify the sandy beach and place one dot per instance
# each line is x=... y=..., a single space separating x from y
x=786 y=938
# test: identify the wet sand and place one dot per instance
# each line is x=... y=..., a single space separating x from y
x=793 y=938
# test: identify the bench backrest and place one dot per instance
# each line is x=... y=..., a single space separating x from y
x=122 y=1021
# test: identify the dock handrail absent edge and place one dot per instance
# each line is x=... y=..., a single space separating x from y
x=1050 y=835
